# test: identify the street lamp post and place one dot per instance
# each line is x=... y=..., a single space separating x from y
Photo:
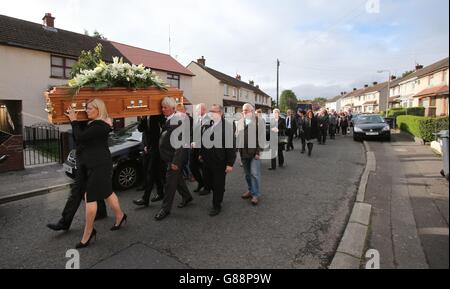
x=388 y=89
x=278 y=83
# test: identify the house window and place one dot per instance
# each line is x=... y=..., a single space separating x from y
x=226 y=91
x=234 y=92
x=433 y=101
x=430 y=80
x=61 y=66
x=444 y=76
x=173 y=80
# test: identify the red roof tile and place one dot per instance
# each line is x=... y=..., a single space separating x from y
x=151 y=59
x=433 y=91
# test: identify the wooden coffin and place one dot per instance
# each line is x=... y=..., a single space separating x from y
x=120 y=102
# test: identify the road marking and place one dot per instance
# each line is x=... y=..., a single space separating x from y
x=400 y=150
x=434 y=231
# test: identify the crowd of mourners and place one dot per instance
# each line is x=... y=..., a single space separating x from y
x=179 y=147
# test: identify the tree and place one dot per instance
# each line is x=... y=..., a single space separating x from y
x=88 y=60
x=274 y=104
x=320 y=101
x=96 y=34
x=406 y=73
x=288 y=100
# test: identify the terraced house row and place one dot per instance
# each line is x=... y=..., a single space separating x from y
x=44 y=54
x=425 y=87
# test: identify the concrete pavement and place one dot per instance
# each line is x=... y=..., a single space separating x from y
x=410 y=205
x=32 y=182
x=299 y=223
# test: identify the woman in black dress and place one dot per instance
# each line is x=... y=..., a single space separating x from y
x=311 y=129
x=95 y=162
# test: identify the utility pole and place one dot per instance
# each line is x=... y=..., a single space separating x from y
x=389 y=93
x=389 y=89
x=278 y=83
x=170 y=41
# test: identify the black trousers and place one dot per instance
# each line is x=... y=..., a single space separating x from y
x=77 y=192
x=303 y=139
x=197 y=167
x=332 y=131
x=280 y=157
x=218 y=179
x=290 y=135
x=174 y=181
x=344 y=130
x=154 y=175
x=323 y=131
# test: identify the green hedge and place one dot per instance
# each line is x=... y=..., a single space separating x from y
x=429 y=126
x=416 y=111
x=422 y=127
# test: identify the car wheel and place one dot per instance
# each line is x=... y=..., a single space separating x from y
x=358 y=139
x=126 y=176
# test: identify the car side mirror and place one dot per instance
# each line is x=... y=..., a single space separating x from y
x=3 y=158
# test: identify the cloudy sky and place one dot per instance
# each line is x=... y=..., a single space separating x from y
x=324 y=46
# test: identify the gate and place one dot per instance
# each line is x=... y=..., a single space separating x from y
x=42 y=144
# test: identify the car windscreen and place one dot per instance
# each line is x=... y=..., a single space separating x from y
x=369 y=119
x=128 y=132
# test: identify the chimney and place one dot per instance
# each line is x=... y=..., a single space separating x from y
x=252 y=83
x=419 y=67
x=238 y=77
x=375 y=83
x=202 y=61
x=49 y=20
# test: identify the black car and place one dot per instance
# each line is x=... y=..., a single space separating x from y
x=371 y=127
x=127 y=152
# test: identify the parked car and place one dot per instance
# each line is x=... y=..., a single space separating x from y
x=127 y=153
x=354 y=119
x=371 y=127
x=3 y=158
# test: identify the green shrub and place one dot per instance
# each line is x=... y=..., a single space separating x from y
x=409 y=124
x=422 y=127
x=416 y=111
x=429 y=126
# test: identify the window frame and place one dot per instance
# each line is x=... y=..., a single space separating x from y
x=433 y=101
x=226 y=91
x=64 y=66
x=174 y=77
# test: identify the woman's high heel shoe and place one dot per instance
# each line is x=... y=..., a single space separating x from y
x=117 y=227
x=81 y=245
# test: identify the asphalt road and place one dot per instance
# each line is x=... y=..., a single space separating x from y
x=298 y=224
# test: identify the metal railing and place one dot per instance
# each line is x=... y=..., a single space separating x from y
x=42 y=144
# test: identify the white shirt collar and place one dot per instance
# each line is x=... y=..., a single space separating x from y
x=170 y=117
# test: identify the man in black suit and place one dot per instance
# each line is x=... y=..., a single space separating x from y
x=291 y=127
x=174 y=157
x=219 y=155
x=77 y=192
x=197 y=168
x=151 y=131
